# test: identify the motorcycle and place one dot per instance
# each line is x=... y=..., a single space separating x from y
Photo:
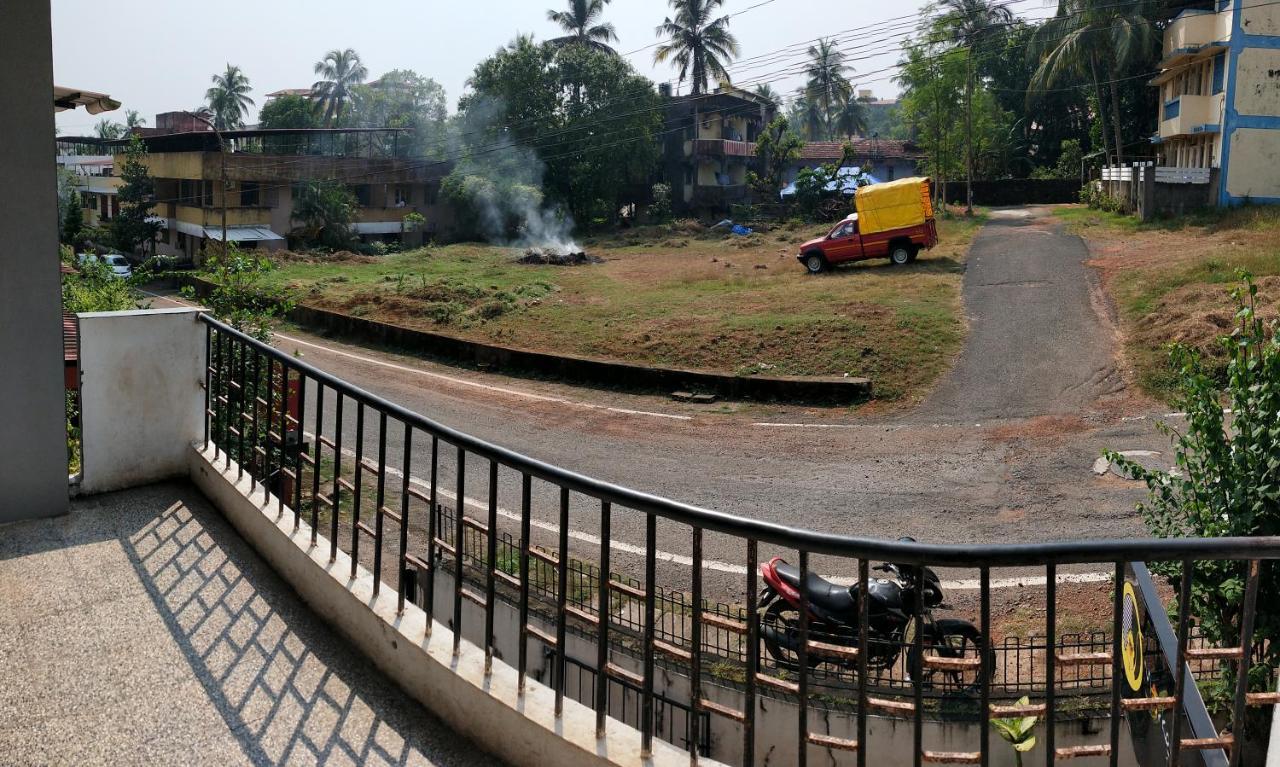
x=834 y=613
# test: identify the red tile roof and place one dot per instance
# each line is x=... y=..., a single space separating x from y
x=872 y=148
x=70 y=339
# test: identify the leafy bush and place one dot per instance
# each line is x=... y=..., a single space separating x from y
x=1227 y=481
x=1097 y=199
x=660 y=208
x=238 y=297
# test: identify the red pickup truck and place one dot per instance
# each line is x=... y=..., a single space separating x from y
x=894 y=221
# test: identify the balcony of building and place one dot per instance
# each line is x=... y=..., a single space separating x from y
x=309 y=537
x=1195 y=32
x=1186 y=115
x=722 y=148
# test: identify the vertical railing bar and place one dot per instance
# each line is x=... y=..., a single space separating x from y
x=695 y=648
x=917 y=669
x=433 y=516
x=406 y=466
x=984 y=623
x=1050 y=660
x=602 y=639
x=208 y=379
x=752 y=656
x=1180 y=673
x=253 y=402
x=380 y=498
x=1117 y=660
x=526 y=492
x=802 y=667
x=284 y=426
x=225 y=369
x=239 y=411
x=459 y=546
x=864 y=648
x=650 y=617
x=268 y=417
x=298 y=450
x=1246 y=660
x=358 y=484
x=315 y=467
x=562 y=599
x=491 y=566
x=337 y=473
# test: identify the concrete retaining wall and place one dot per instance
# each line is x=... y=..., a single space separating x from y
x=619 y=375
x=519 y=728
x=1017 y=191
x=141 y=395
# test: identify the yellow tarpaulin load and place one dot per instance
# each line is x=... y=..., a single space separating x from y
x=893 y=205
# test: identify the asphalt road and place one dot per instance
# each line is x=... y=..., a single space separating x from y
x=1000 y=453
x=1038 y=343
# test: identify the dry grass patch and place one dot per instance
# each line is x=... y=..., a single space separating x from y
x=678 y=296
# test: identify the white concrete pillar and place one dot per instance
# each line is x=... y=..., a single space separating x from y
x=142 y=395
x=33 y=431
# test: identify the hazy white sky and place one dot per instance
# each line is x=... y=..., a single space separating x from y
x=159 y=56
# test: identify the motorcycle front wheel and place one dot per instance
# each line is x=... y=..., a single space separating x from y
x=954 y=640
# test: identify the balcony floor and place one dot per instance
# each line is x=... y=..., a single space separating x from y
x=141 y=629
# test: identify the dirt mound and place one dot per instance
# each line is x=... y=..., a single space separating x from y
x=335 y=257
x=541 y=256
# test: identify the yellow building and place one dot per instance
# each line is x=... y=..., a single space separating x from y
x=264 y=171
x=1220 y=99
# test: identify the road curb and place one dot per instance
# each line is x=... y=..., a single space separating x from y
x=584 y=370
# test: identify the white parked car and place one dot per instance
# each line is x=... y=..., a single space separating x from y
x=117 y=263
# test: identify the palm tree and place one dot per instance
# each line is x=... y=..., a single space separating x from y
x=827 y=89
x=851 y=119
x=973 y=23
x=766 y=92
x=1098 y=37
x=229 y=98
x=105 y=129
x=132 y=119
x=805 y=116
x=698 y=44
x=342 y=71
x=580 y=25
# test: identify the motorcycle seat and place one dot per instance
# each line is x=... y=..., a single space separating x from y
x=822 y=592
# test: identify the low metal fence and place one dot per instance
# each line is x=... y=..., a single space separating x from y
x=372 y=471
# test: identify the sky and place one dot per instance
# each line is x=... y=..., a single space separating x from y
x=159 y=56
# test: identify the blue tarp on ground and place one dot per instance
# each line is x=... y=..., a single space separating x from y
x=847 y=182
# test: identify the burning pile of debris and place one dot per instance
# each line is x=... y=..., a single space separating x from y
x=557 y=258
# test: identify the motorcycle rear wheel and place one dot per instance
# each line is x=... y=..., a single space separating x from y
x=784 y=619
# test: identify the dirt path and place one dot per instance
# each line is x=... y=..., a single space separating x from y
x=1037 y=345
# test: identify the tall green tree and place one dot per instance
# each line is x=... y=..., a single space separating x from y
x=582 y=25
x=137 y=194
x=767 y=92
x=699 y=44
x=827 y=89
x=932 y=78
x=326 y=209
x=132 y=119
x=403 y=98
x=340 y=72
x=1098 y=37
x=229 y=99
x=72 y=218
x=976 y=25
x=852 y=119
x=776 y=146
x=108 y=130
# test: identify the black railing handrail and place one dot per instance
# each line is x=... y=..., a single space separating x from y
x=938 y=555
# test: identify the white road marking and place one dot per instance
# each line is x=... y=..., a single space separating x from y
x=725 y=567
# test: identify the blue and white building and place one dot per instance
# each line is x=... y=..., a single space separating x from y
x=1220 y=98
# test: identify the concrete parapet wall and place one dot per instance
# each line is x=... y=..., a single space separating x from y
x=141 y=395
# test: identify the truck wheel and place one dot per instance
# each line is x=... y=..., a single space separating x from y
x=899 y=255
x=815 y=263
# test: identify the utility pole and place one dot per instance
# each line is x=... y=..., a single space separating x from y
x=222 y=152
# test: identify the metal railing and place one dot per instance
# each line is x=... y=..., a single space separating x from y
x=326 y=448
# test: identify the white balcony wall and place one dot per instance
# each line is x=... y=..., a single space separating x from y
x=142 y=395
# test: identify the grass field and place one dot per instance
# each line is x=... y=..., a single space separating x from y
x=1171 y=279
x=677 y=296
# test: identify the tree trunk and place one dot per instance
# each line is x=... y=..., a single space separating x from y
x=1102 y=116
x=968 y=132
x=1115 y=119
